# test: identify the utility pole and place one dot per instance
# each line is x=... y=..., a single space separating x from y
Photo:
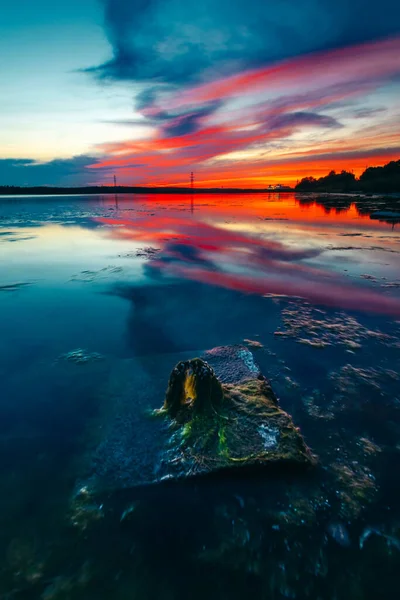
x=191 y=195
x=116 y=195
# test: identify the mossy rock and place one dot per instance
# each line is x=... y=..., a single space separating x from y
x=219 y=412
x=217 y=426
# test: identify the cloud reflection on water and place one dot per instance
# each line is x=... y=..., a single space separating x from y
x=250 y=263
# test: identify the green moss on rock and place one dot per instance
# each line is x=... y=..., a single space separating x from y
x=193 y=387
x=219 y=426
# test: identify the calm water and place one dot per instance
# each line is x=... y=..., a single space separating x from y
x=100 y=297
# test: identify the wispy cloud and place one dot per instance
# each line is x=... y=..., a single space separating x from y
x=177 y=42
x=235 y=127
x=277 y=116
x=28 y=172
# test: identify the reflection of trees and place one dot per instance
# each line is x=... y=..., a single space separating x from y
x=366 y=206
x=305 y=200
x=339 y=204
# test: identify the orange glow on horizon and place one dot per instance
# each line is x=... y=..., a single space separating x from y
x=301 y=117
x=285 y=173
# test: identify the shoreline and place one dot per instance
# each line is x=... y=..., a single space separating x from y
x=63 y=191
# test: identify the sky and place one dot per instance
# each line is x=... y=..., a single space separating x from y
x=244 y=93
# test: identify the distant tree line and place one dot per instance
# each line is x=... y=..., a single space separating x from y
x=11 y=190
x=373 y=179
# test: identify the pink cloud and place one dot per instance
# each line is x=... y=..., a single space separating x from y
x=286 y=99
x=362 y=63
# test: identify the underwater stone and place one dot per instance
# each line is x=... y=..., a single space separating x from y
x=219 y=412
x=218 y=426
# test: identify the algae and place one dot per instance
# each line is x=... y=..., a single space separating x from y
x=216 y=426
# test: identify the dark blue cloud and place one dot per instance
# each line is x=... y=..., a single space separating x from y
x=146 y=97
x=363 y=113
x=345 y=155
x=65 y=172
x=174 y=123
x=302 y=119
x=175 y=42
x=187 y=122
x=27 y=172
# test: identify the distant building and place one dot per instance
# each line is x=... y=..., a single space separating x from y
x=278 y=187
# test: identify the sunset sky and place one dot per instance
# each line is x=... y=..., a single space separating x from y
x=244 y=93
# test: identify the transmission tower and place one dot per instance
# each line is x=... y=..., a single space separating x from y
x=115 y=181
x=192 y=180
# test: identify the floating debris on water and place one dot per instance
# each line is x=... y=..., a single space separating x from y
x=353 y=388
x=369 y=277
x=148 y=252
x=253 y=343
x=319 y=329
x=90 y=276
x=13 y=287
x=290 y=383
x=13 y=236
x=368 y=446
x=349 y=378
x=314 y=343
x=81 y=356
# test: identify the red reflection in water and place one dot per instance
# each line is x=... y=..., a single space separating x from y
x=242 y=256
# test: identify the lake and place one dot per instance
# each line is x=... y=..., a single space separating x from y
x=100 y=296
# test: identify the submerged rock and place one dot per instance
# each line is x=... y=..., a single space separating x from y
x=219 y=426
x=219 y=413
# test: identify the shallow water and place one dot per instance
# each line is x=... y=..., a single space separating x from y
x=100 y=297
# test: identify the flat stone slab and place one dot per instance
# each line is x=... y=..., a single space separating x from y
x=219 y=413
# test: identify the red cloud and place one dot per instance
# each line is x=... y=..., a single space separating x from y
x=363 y=63
x=272 y=106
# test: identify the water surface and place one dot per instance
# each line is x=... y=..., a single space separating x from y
x=99 y=292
